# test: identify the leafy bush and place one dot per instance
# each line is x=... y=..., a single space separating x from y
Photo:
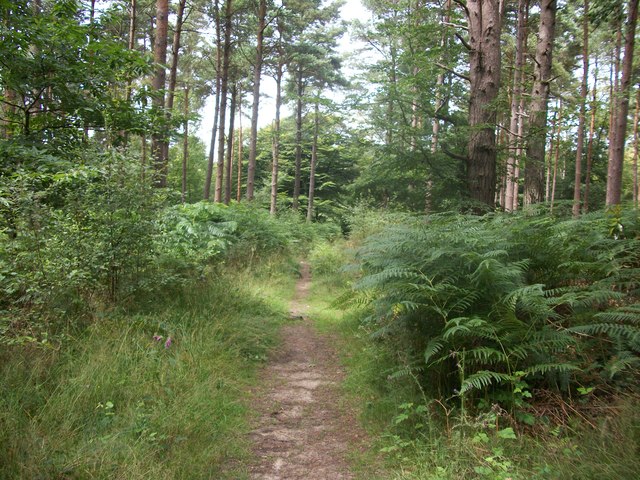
x=326 y=258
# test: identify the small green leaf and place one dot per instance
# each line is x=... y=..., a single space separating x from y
x=507 y=433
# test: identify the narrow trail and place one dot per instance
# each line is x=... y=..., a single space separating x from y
x=304 y=431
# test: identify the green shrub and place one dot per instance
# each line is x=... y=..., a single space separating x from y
x=327 y=258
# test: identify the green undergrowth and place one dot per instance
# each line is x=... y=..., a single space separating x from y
x=422 y=436
x=113 y=402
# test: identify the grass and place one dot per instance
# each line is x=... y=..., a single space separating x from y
x=113 y=403
x=420 y=442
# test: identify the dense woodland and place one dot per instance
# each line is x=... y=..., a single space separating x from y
x=464 y=182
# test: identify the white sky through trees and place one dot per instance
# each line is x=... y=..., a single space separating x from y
x=352 y=10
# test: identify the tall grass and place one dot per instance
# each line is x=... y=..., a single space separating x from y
x=112 y=402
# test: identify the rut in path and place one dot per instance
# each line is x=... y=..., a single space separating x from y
x=304 y=431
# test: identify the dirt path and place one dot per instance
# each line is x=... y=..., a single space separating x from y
x=304 y=431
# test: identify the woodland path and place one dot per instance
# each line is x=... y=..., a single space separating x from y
x=304 y=430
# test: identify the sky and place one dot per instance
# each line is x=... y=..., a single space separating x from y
x=353 y=9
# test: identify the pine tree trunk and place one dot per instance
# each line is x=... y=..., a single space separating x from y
x=636 y=119
x=224 y=87
x=298 y=160
x=485 y=24
x=185 y=143
x=216 y=112
x=228 y=166
x=616 y=155
x=556 y=158
x=173 y=72
x=590 y=141
x=435 y=128
x=159 y=139
x=276 y=136
x=534 y=167
x=511 y=193
x=583 y=109
x=132 y=40
x=314 y=162
x=257 y=71
x=239 y=168
x=549 y=163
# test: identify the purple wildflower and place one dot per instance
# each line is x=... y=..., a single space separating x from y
x=157 y=338
x=167 y=344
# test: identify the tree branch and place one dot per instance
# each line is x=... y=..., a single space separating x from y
x=460 y=75
x=453 y=155
x=464 y=42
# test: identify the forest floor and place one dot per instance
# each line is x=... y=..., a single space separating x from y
x=305 y=429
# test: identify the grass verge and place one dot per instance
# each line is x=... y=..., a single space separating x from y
x=112 y=402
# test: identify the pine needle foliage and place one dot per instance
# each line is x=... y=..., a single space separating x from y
x=487 y=305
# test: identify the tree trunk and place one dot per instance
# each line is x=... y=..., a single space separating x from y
x=592 y=127
x=239 y=168
x=298 y=160
x=485 y=24
x=132 y=40
x=224 y=87
x=534 y=167
x=616 y=154
x=583 y=109
x=216 y=112
x=276 y=135
x=159 y=139
x=314 y=161
x=511 y=193
x=228 y=166
x=435 y=128
x=257 y=71
x=556 y=158
x=547 y=188
x=173 y=71
x=185 y=144
x=636 y=119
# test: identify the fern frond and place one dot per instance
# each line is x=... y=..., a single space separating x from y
x=613 y=330
x=543 y=368
x=483 y=379
x=434 y=347
x=628 y=314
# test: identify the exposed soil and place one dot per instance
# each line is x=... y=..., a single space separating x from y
x=304 y=430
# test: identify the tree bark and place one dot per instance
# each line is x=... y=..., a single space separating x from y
x=257 y=71
x=616 y=154
x=239 y=167
x=185 y=144
x=636 y=119
x=216 y=112
x=224 y=87
x=583 y=109
x=534 y=167
x=549 y=163
x=298 y=159
x=173 y=71
x=276 y=134
x=228 y=166
x=556 y=158
x=511 y=188
x=485 y=24
x=132 y=40
x=159 y=139
x=592 y=127
x=314 y=162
